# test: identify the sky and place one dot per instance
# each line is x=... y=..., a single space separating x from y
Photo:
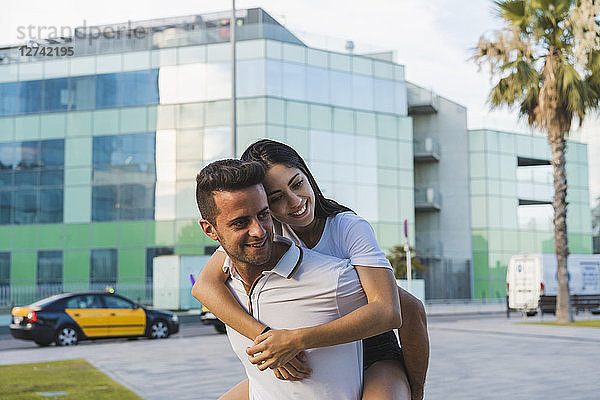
x=433 y=39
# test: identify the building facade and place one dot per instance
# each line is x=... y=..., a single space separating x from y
x=99 y=150
x=511 y=203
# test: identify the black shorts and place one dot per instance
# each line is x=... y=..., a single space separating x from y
x=382 y=347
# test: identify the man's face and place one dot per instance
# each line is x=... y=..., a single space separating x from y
x=243 y=226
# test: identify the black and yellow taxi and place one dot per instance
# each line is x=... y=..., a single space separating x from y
x=68 y=318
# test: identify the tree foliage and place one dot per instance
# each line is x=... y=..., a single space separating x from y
x=397 y=257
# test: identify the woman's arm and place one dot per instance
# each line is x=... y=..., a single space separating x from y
x=379 y=315
x=211 y=291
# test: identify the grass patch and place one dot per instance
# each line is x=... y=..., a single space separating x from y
x=76 y=377
x=592 y=323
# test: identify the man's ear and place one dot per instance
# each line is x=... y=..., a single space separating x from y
x=209 y=229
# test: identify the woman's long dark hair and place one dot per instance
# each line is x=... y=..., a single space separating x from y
x=269 y=152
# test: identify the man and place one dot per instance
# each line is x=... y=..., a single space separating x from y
x=281 y=285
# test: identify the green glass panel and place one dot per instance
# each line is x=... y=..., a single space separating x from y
x=165 y=118
x=276 y=132
x=190 y=116
x=106 y=122
x=218 y=113
x=365 y=123
x=296 y=114
x=189 y=233
x=79 y=123
x=161 y=233
x=53 y=126
x=104 y=234
x=190 y=251
x=387 y=153
x=132 y=233
x=343 y=120
x=498 y=289
x=76 y=270
x=77 y=235
x=548 y=246
x=51 y=236
x=24 y=237
x=528 y=242
x=405 y=129
x=246 y=135
x=7 y=127
x=78 y=152
x=132 y=263
x=152 y=118
x=298 y=139
x=27 y=128
x=480 y=266
x=320 y=117
x=133 y=119
x=387 y=176
x=22 y=268
x=275 y=111
x=386 y=126
x=480 y=289
x=251 y=111
x=388 y=235
x=5 y=237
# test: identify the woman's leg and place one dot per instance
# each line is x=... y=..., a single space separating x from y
x=385 y=380
x=238 y=392
x=415 y=342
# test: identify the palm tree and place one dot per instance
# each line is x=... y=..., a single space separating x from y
x=546 y=59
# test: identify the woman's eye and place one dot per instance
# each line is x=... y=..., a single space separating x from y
x=275 y=199
x=297 y=184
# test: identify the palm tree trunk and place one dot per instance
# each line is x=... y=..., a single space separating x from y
x=559 y=203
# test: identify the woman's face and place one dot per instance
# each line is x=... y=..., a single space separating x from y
x=291 y=198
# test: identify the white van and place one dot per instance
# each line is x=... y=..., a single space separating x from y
x=530 y=276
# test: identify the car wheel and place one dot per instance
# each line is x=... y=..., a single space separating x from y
x=158 y=330
x=220 y=327
x=67 y=336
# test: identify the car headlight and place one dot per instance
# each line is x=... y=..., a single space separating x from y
x=175 y=318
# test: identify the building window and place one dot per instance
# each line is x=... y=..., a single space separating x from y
x=31 y=182
x=4 y=277
x=79 y=93
x=535 y=217
x=49 y=277
x=124 y=177
x=103 y=269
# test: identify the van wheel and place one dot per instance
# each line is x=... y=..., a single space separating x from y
x=42 y=343
x=531 y=313
x=67 y=336
x=220 y=327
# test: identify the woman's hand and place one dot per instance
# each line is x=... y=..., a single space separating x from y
x=295 y=370
x=274 y=348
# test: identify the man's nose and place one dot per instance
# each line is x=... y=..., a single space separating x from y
x=257 y=229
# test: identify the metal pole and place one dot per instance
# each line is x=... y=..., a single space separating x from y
x=232 y=24
x=408 y=261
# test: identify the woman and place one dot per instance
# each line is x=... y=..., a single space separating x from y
x=313 y=221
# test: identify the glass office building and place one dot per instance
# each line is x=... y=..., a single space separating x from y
x=99 y=150
x=511 y=203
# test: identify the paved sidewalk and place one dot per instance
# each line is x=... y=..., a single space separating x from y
x=484 y=357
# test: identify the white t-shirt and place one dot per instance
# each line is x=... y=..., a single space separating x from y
x=305 y=288
x=347 y=235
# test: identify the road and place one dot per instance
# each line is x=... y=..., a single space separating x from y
x=471 y=358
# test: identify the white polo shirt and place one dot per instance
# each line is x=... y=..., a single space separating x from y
x=304 y=289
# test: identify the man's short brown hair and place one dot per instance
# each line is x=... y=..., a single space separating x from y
x=224 y=175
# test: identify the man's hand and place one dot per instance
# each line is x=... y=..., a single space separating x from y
x=274 y=349
x=295 y=370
